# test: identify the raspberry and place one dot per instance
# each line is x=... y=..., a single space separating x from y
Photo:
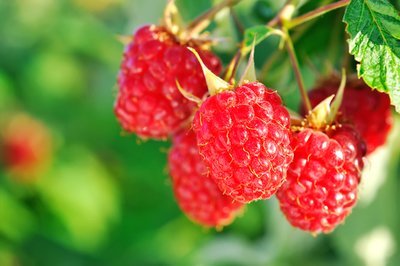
x=368 y=110
x=24 y=147
x=243 y=136
x=148 y=102
x=197 y=194
x=322 y=180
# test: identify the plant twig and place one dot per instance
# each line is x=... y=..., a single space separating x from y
x=202 y=21
x=238 y=24
x=277 y=19
x=296 y=69
x=315 y=13
x=233 y=65
x=275 y=56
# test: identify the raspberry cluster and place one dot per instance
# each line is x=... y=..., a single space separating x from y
x=238 y=144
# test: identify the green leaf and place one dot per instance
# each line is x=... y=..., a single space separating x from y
x=257 y=34
x=374 y=28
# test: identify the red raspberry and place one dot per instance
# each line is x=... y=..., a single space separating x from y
x=243 y=136
x=148 y=101
x=322 y=180
x=25 y=147
x=368 y=110
x=197 y=194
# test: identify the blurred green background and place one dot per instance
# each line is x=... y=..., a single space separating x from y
x=106 y=198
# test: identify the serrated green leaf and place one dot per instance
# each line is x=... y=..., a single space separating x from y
x=257 y=34
x=374 y=28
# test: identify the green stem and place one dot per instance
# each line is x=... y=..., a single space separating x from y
x=232 y=67
x=278 y=54
x=315 y=13
x=277 y=19
x=296 y=69
x=202 y=21
x=233 y=64
x=238 y=24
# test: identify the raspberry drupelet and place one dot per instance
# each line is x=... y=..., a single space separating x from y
x=148 y=102
x=243 y=136
x=195 y=192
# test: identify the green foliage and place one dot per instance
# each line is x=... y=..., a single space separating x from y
x=257 y=34
x=17 y=221
x=374 y=28
x=6 y=96
x=94 y=199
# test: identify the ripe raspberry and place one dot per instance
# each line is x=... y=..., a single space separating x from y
x=148 y=101
x=24 y=147
x=368 y=110
x=322 y=180
x=243 y=136
x=197 y=194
